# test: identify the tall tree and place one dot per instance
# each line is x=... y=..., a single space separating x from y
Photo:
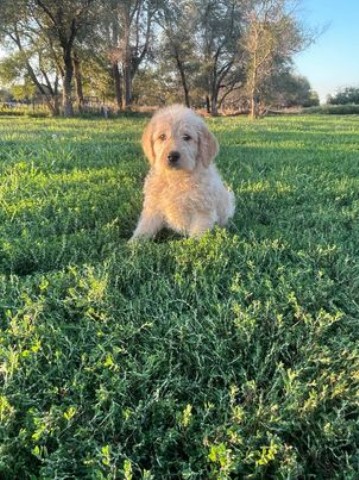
x=178 y=22
x=126 y=26
x=62 y=22
x=107 y=48
x=135 y=19
x=219 y=29
x=273 y=35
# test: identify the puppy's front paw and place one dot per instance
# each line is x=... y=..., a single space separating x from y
x=200 y=225
x=136 y=238
x=148 y=225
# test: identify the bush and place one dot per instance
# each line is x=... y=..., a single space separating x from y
x=333 y=110
x=16 y=109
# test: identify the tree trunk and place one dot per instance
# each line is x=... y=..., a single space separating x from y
x=67 y=84
x=208 y=104
x=214 y=103
x=117 y=80
x=56 y=109
x=186 y=96
x=254 y=105
x=127 y=66
x=56 y=97
x=78 y=83
x=254 y=88
x=253 y=108
x=128 y=84
x=179 y=64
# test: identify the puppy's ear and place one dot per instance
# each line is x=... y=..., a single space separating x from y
x=147 y=143
x=208 y=146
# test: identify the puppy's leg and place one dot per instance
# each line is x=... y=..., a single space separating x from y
x=148 y=225
x=226 y=208
x=201 y=224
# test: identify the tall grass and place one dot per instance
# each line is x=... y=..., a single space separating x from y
x=235 y=356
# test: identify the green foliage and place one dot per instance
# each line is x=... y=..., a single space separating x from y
x=333 y=110
x=348 y=95
x=287 y=89
x=23 y=92
x=233 y=356
x=12 y=68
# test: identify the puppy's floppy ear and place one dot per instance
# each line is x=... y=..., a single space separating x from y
x=147 y=143
x=207 y=146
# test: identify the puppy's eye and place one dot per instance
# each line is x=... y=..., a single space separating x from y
x=186 y=137
x=162 y=137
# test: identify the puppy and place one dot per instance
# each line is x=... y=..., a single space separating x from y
x=183 y=190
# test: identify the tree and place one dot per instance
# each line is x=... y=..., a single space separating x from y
x=199 y=46
x=345 y=96
x=125 y=28
x=30 y=53
x=178 y=47
x=219 y=29
x=272 y=36
x=286 y=89
x=62 y=22
x=135 y=19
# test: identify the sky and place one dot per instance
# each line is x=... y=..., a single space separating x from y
x=332 y=62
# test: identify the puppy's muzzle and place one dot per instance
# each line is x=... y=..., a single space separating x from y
x=173 y=158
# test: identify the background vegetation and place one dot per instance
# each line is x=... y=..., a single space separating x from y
x=233 y=54
x=234 y=356
x=345 y=96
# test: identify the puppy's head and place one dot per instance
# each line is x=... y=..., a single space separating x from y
x=177 y=139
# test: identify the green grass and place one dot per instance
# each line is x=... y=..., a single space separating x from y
x=231 y=357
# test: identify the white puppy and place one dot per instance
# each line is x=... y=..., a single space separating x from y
x=183 y=190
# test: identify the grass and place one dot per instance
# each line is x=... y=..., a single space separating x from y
x=232 y=357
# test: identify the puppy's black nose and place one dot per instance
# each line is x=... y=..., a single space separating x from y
x=173 y=157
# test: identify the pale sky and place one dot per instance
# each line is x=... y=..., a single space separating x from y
x=333 y=61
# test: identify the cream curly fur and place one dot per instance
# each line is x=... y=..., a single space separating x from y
x=183 y=190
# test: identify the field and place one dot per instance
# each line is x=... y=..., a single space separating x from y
x=230 y=357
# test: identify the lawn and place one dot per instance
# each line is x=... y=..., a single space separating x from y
x=230 y=357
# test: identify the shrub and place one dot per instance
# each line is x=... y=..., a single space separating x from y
x=333 y=110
